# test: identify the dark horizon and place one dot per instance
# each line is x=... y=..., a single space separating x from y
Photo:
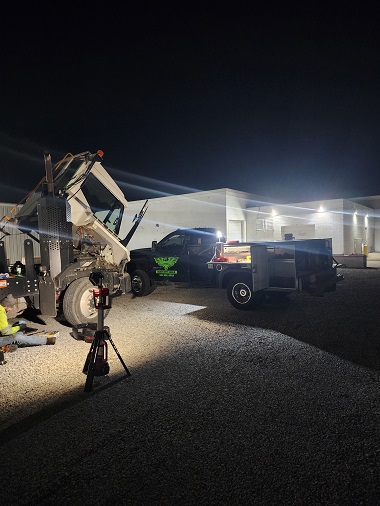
x=279 y=101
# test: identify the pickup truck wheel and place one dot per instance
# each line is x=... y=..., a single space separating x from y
x=140 y=283
x=78 y=303
x=241 y=295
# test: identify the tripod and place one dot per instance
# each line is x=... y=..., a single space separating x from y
x=96 y=362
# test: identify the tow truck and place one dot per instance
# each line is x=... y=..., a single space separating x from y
x=250 y=271
x=75 y=213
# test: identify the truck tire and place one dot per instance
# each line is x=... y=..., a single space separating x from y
x=78 y=303
x=241 y=295
x=140 y=283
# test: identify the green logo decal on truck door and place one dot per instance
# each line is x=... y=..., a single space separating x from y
x=166 y=263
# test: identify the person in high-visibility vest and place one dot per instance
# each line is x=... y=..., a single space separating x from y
x=13 y=334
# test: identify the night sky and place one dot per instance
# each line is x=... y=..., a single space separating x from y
x=280 y=100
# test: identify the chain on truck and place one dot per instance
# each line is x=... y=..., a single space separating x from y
x=76 y=214
x=253 y=270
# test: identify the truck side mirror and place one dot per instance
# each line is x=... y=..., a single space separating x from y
x=154 y=245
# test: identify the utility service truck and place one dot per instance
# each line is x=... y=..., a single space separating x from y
x=180 y=257
x=75 y=214
x=251 y=271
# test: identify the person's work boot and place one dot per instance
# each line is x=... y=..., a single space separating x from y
x=9 y=348
x=50 y=340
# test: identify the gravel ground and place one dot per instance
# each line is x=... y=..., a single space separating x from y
x=275 y=406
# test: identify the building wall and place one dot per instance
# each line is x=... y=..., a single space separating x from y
x=236 y=215
x=357 y=229
x=260 y=224
x=374 y=222
x=14 y=242
x=334 y=219
x=165 y=214
x=227 y=210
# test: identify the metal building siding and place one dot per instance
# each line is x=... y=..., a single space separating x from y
x=14 y=243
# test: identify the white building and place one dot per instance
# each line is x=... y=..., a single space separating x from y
x=351 y=223
x=224 y=208
x=242 y=216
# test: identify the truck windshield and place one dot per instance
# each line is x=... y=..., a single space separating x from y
x=66 y=173
x=105 y=206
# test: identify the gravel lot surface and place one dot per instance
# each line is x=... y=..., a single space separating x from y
x=279 y=405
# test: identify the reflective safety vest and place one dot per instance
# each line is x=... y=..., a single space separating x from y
x=5 y=328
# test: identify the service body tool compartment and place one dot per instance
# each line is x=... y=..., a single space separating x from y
x=282 y=266
x=277 y=268
x=252 y=258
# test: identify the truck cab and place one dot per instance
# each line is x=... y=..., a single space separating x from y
x=180 y=257
x=75 y=214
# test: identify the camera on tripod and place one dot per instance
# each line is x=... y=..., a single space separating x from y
x=96 y=363
x=102 y=294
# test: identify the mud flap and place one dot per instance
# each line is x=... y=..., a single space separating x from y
x=48 y=304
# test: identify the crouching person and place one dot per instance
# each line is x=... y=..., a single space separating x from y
x=13 y=334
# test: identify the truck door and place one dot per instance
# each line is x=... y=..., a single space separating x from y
x=170 y=259
x=200 y=251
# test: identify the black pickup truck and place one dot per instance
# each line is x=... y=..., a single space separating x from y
x=179 y=257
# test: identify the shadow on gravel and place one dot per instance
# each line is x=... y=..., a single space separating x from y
x=32 y=314
x=345 y=323
x=59 y=405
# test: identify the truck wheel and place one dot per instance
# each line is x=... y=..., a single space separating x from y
x=241 y=295
x=140 y=283
x=78 y=303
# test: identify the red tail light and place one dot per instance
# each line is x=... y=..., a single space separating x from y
x=219 y=259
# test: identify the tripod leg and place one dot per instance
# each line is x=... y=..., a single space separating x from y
x=118 y=354
x=88 y=358
x=91 y=366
